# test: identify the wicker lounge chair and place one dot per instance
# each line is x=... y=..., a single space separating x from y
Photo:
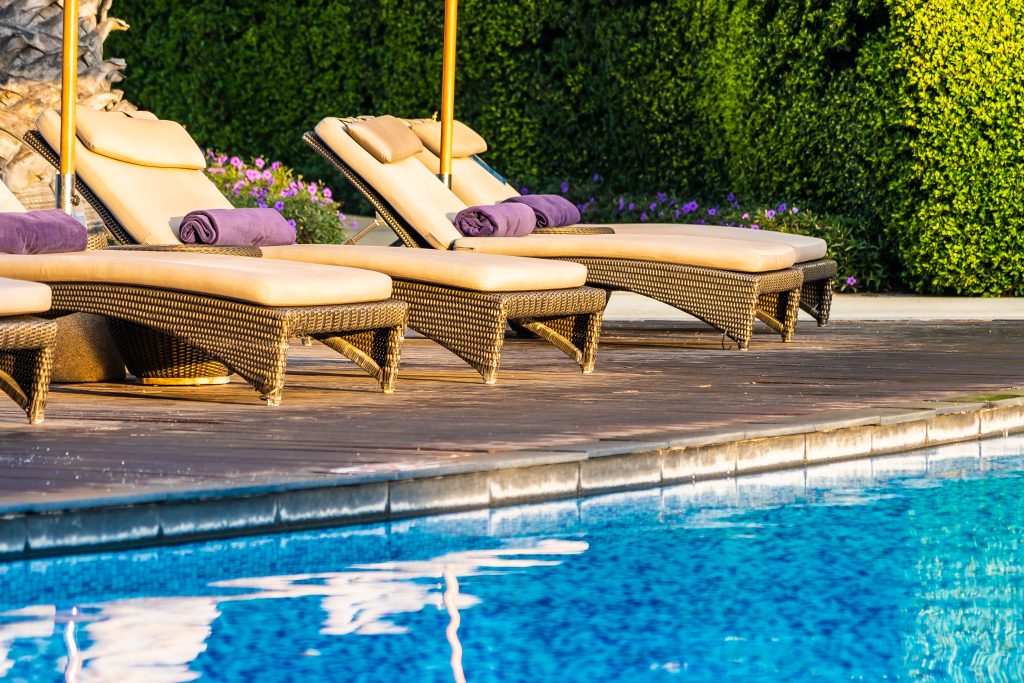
x=474 y=182
x=26 y=345
x=711 y=279
x=458 y=300
x=193 y=316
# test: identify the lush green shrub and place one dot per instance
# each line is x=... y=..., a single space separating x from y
x=309 y=207
x=957 y=200
x=899 y=114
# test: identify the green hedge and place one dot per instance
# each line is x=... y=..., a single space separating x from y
x=902 y=115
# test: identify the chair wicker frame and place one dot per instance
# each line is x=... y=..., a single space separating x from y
x=728 y=301
x=26 y=360
x=170 y=333
x=468 y=323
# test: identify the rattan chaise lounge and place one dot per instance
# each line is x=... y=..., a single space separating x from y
x=195 y=316
x=460 y=301
x=474 y=182
x=26 y=345
x=26 y=342
x=723 y=284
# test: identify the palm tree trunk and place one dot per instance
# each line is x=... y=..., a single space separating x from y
x=30 y=64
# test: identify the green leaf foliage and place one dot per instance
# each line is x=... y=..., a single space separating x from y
x=900 y=116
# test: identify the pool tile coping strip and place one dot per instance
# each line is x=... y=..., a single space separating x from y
x=498 y=479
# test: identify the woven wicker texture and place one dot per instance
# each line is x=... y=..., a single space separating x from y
x=472 y=324
x=249 y=340
x=574 y=230
x=816 y=295
x=26 y=358
x=726 y=300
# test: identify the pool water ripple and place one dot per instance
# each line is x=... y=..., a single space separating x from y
x=909 y=568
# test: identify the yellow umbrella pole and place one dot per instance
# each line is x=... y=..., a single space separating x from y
x=451 y=8
x=68 y=100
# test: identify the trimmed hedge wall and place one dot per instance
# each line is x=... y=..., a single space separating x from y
x=901 y=114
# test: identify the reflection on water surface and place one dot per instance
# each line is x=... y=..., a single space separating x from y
x=906 y=568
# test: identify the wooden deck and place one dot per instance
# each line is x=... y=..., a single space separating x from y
x=103 y=439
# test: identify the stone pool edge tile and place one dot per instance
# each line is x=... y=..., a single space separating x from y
x=509 y=478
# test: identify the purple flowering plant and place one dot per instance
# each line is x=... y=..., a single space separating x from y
x=309 y=207
x=861 y=262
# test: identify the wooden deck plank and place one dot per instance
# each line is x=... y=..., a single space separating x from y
x=649 y=379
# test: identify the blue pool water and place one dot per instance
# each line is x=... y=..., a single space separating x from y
x=910 y=568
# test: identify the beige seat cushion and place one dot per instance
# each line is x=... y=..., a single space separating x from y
x=806 y=248
x=258 y=281
x=414 y=192
x=465 y=141
x=691 y=251
x=477 y=272
x=148 y=201
x=139 y=140
x=18 y=297
x=8 y=202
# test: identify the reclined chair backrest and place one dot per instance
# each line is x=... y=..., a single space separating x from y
x=147 y=172
x=472 y=180
x=382 y=151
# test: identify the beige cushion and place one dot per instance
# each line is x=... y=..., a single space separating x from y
x=807 y=248
x=148 y=201
x=386 y=138
x=692 y=251
x=18 y=297
x=474 y=185
x=414 y=192
x=259 y=281
x=477 y=272
x=465 y=141
x=471 y=182
x=8 y=202
x=142 y=141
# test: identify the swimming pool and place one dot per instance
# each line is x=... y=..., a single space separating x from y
x=904 y=568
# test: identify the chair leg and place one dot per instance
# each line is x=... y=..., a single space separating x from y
x=816 y=299
x=26 y=361
x=376 y=351
x=576 y=336
x=779 y=311
x=25 y=377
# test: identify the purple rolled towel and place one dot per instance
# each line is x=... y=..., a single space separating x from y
x=498 y=220
x=552 y=210
x=50 y=231
x=236 y=228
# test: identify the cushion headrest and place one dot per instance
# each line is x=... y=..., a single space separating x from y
x=386 y=138
x=138 y=139
x=466 y=142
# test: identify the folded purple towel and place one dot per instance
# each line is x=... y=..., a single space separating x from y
x=498 y=220
x=49 y=231
x=552 y=210
x=236 y=228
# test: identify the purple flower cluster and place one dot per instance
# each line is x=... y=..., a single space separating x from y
x=309 y=207
x=664 y=207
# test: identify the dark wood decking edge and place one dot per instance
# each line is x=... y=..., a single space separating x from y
x=599 y=467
